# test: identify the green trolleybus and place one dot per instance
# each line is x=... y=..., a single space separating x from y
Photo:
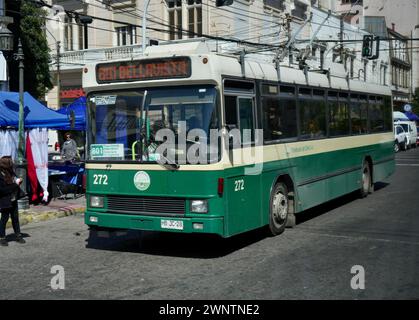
x=311 y=138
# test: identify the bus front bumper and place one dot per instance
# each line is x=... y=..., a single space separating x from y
x=152 y=223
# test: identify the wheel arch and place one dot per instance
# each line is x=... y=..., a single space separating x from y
x=288 y=181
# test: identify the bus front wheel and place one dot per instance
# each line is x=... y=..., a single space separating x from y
x=365 y=180
x=279 y=209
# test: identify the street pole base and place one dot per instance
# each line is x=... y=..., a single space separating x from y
x=23 y=204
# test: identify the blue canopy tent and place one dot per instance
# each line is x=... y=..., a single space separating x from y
x=78 y=108
x=36 y=115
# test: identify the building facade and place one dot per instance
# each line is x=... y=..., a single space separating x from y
x=401 y=23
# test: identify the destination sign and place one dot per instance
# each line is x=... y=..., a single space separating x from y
x=140 y=70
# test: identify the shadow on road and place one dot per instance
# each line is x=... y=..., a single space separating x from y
x=175 y=244
x=199 y=245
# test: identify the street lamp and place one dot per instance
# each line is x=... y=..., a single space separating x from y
x=6 y=42
x=6 y=46
x=23 y=203
x=85 y=20
x=6 y=38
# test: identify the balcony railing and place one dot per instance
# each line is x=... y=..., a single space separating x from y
x=77 y=59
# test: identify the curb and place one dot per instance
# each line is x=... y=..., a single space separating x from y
x=26 y=217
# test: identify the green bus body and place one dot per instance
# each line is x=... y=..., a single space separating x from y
x=314 y=170
x=316 y=179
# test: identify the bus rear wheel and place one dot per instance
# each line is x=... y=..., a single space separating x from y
x=366 y=180
x=279 y=209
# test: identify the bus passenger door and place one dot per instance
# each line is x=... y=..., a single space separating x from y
x=242 y=187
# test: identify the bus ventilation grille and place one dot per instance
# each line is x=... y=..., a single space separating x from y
x=146 y=205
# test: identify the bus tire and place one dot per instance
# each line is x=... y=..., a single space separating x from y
x=366 y=180
x=279 y=209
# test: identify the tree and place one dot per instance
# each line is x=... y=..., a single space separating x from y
x=28 y=25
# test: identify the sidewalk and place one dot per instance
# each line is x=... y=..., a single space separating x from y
x=57 y=208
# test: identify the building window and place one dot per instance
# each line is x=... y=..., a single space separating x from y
x=68 y=33
x=300 y=10
x=126 y=35
x=351 y=2
x=174 y=8
x=194 y=18
x=276 y=4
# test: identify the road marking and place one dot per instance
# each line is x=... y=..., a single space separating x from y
x=406 y=165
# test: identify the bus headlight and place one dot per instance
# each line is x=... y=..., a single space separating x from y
x=96 y=202
x=199 y=206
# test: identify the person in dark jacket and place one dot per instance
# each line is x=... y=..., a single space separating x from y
x=9 y=192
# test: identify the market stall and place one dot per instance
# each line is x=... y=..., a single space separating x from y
x=37 y=120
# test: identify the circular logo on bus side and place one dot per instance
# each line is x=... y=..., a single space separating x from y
x=142 y=180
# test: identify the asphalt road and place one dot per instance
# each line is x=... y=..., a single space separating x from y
x=311 y=261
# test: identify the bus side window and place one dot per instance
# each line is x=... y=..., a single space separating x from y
x=246 y=120
x=239 y=115
x=230 y=103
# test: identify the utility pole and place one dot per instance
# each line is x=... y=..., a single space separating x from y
x=289 y=19
x=58 y=76
x=411 y=58
x=342 y=26
x=146 y=3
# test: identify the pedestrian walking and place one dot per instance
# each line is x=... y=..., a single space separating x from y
x=9 y=194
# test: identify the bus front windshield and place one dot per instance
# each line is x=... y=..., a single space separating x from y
x=125 y=125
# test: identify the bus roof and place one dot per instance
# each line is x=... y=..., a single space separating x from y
x=222 y=65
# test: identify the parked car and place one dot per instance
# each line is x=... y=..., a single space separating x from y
x=400 y=138
x=411 y=132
